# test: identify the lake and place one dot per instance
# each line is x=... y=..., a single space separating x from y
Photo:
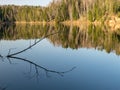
x=43 y=57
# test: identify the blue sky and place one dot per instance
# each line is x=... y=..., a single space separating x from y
x=25 y=2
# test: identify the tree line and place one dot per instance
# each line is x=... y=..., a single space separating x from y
x=22 y=13
x=61 y=10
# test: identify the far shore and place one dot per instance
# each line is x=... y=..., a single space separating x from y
x=113 y=23
x=35 y=22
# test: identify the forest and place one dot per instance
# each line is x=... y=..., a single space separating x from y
x=62 y=10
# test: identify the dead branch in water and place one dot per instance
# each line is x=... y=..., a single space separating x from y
x=36 y=42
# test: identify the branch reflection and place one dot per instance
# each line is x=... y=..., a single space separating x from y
x=37 y=67
x=3 y=88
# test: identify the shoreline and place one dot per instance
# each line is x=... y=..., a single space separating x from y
x=35 y=22
x=113 y=23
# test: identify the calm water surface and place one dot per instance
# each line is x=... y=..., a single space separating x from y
x=90 y=56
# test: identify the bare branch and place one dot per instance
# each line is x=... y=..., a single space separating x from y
x=36 y=42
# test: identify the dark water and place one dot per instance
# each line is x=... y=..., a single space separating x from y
x=59 y=58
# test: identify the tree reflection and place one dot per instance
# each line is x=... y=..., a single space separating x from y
x=98 y=37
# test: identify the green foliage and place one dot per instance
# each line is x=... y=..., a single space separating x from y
x=119 y=14
x=102 y=8
x=90 y=16
x=75 y=14
x=61 y=11
x=22 y=13
x=116 y=7
x=96 y=13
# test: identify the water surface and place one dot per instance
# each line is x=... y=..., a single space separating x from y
x=90 y=56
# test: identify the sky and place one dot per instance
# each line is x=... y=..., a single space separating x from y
x=26 y=2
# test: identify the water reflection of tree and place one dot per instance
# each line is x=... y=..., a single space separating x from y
x=94 y=37
x=24 y=31
x=98 y=37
